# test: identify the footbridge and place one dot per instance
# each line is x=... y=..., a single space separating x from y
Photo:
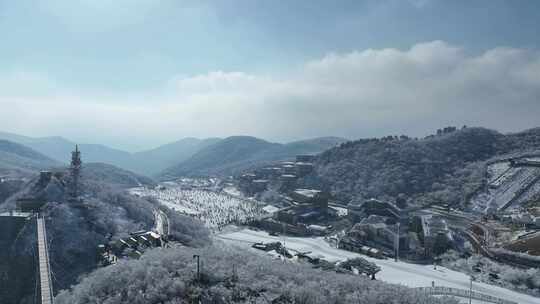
x=462 y=293
x=45 y=281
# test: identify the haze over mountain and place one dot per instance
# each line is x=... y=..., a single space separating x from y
x=59 y=148
x=153 y=161
x=188 y=156
x=237 y=153
x=14 y=156
x=145 y=162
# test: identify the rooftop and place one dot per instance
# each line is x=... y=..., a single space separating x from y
x=311 y=193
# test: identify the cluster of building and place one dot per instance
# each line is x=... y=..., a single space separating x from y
x=358 y=265
x=378 y=228
x=285 y=173
x=521 y=219
x=383 y=229
x=306 y=214
x=131 y=247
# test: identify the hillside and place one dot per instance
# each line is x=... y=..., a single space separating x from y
x=114 y=176
x=231 y=275
x=59 y=149
x=153 y=161
x=14 y=156
x=446 y=167
x=74 y=232
x=237 y=153
x=220 y=157
x=148 y=162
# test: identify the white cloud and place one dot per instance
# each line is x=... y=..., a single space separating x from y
x=362 y=93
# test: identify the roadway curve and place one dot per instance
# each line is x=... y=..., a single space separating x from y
x=161 y=223
x=411 y=275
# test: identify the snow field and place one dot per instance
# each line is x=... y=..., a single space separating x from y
x=214 y=209
x=411 y=275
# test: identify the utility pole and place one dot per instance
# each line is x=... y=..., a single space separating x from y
x=283 y=233
x=198 y=267
x=470 y=291
x=396 y=245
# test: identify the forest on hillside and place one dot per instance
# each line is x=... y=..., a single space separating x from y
x=74 y=232
x=231 y=275
x=447 y=167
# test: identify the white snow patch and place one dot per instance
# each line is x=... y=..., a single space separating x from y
x=270 y=209
x=213 y=208
x=232 y=191
x=340 y=211
x=411 y=275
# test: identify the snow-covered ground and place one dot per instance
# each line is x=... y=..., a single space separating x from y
x=498 y=172
x=270 y=209
x=214 y=209
x=407 y=274
x=340 y=210
x=505 y=183
x=231 y=190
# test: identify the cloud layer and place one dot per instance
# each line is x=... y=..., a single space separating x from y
x=365 y=93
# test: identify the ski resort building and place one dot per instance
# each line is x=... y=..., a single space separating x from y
x=132 y=246
x=357 y=212
x=305 y=158
x=288 y=182
x=378 y=231
x=434 y=234
x=303 y=169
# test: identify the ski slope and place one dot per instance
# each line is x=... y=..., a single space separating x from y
x=214 y=209
x=407 y=274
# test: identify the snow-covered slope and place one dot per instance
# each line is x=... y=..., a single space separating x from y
x=213 y=208
x=411 y=275
x=508 y=187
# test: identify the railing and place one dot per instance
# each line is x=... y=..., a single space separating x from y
x=449 y=291
x=47 y=296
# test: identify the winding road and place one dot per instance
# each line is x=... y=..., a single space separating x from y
x=411 y=275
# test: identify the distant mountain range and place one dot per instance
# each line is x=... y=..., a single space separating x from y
x=188 y=156
x=237 y=153
x=114 y=176
x=14 y=156
x=152 y=162
x=59 y=149
x=149 y=162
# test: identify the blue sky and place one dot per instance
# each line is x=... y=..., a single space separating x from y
x=137 y=73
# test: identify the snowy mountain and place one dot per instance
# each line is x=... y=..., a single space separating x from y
x=153 y=161
x=449 y=166
x=14 y=156
x=238 y=153
x=147 y=162
x=59 y=149
x=114 y=176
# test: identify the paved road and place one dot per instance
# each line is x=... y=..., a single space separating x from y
x=161 y=223
x=411 y=275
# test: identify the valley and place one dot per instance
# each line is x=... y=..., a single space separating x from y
x=476 y=215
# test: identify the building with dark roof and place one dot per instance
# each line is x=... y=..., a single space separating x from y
x=374 y=207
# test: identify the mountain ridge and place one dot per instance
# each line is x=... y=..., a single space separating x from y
x=14 y=156
x=237 y=153
x=162 y=159
x=446 y=167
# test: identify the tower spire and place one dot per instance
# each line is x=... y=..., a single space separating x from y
x=75 y=173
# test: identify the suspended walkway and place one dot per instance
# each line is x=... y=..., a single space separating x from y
x=47 y=296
